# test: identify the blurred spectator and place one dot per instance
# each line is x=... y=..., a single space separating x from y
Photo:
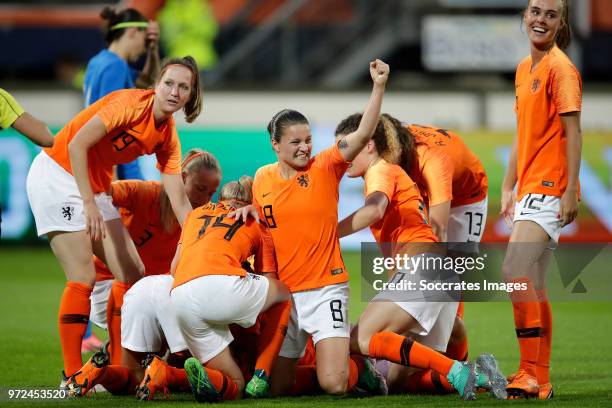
x=189 y=28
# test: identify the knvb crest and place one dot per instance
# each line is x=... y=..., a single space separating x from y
x=535 y=85
x=68 y=212
x=303 y=180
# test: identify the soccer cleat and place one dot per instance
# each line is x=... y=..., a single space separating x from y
x=65 y=378
x=85 y=379
x=370 y=381
x=202 y=388
x=154 y=378
x=523 y=386
x=486 y=366
x=545 y=392
x=259 y=386
x=462 y=376
x=91 y=343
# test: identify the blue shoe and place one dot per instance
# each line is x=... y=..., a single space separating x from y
x=462 y=376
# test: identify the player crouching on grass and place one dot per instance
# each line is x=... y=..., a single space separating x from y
x=148 y=326
x=211 y=291
x=395 y=213
x=148 y=319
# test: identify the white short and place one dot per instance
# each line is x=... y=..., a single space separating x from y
x=543 y=210
x=147 y=318
x=55 y=199
x=99 y=300
x=204 y=307
x=435 y=311
x=321 y=313
x=466 y=223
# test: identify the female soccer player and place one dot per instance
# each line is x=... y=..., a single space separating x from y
x=395 y=212
x=298 y=197
x=453 y=182
x=67 y=186
x=129 y=35
x=544 y=164
x=147 y=214
x=211 y=289
x=13 y=115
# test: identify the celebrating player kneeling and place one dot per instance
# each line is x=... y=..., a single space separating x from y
x=211 y=291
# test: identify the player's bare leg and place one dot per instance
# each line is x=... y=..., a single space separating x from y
x=118 y=252
x=333 y=365
x=379 y=334
x=526 y=260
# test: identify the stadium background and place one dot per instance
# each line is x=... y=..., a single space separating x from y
x=452 y=65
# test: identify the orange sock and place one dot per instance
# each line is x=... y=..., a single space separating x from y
x=543 y=364
x=118 y=380
x=177 y=379
x=113 y=319
x=356 y=367
x=223 y=384
x=405 y=351
x=272 y=334
x=527 y=324
x=306 y=382
x=72 y=323
x=428 y=382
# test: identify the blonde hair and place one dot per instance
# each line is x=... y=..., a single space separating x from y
x=238 y=193
x=194 y=161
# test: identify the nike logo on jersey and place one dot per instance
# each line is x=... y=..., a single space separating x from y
x=267 y=194
x=338 y=326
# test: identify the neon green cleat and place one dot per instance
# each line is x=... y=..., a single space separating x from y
x=259 y=386
x=202 y=388
x=462 y=376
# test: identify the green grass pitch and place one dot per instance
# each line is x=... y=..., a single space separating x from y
x=32 y=283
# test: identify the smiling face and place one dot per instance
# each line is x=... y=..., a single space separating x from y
x=174 y=89
x=543 y=20
x=201 y=185
x=295 y=146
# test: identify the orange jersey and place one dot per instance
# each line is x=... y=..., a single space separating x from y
x=405 y=219
x=139 y=206
x=552 y=89
x=449 y=169
x=212 y=244
x=302 y=215
x=130 y=132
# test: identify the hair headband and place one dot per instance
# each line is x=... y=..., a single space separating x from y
x=127 y=24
